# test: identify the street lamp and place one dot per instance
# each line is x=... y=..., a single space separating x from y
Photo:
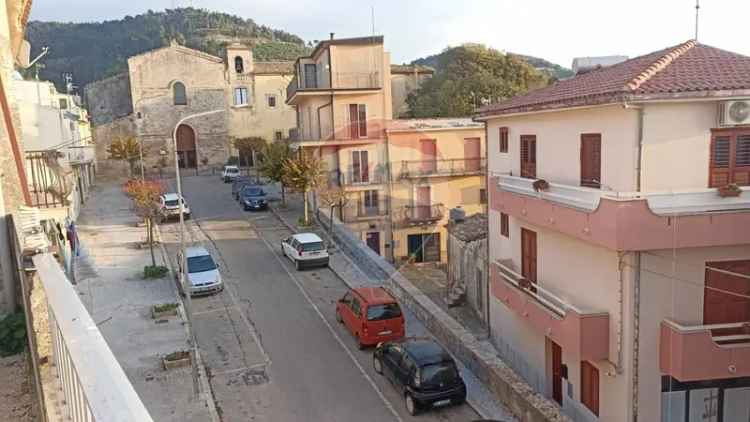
x=183 y=258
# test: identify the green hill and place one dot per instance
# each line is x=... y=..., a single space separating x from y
x=95 y=50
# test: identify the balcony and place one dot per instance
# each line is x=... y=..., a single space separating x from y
x=443 y=168
x=340 y=81
x=584 y=333
x=414 y=215
x=363 y=213
x=627 y=220
x=86 y=382
x=376 y=178
x=695 y=353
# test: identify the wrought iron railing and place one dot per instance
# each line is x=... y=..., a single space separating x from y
x=447 y=167
x=339 y=80
x=421 y=214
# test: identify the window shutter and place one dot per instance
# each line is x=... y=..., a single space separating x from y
x=528 y=156
x=365 y=164
x=503 y=139
x=362 y=119
x=504 y=225
x=590 y=387
x=356 y=167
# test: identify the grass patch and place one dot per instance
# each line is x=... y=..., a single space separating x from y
x=165 y=307
x=12 y=334
x=151 y=272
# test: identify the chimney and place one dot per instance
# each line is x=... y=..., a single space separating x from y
x=332 y=34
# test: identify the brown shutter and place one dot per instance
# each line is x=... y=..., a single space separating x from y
x=503 y=139
x=528 y=156
x=504 y=225
x=353 y=121
x=362 y=118
x=528 y=255
x=590 y=387
x=591 y=160
x=730 y=157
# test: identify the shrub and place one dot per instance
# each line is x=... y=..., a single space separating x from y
x=12 y=334
x=165 y=307
x=154 y=271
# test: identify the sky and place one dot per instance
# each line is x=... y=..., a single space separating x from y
x=551 y=29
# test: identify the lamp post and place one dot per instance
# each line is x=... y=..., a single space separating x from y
x=183 y=258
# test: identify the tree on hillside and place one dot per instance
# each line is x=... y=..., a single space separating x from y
x=125 y=148
x=303 y=174
x=271 y=166
x=472 y=75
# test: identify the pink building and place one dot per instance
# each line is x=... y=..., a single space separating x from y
x=619 y=242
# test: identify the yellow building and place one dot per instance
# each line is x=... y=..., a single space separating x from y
x=342 y=93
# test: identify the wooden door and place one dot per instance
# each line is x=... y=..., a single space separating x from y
x=373 y=241
x=423 y=202
x=528 y=156
x=528 y=255
x=428 y=148
x=590 y=387
x=414 y=247
x=555 y=356
x=591 y=160
x=472 y=154
x=728 y=303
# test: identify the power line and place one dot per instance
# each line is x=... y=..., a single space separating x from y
x=697 y=284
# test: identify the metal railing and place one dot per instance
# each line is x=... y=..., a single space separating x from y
x=94 y=386
x=448 y=167
x=420 y=214
x=81 y=154
x=372 y=178
x=339 y=80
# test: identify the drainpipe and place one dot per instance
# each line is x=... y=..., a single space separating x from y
x=636 y=331
x=487 y=212
x=389 y=199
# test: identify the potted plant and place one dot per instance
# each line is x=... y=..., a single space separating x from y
x=730 y=191
x=540 y=185
x=164 y=310
x=176 y=359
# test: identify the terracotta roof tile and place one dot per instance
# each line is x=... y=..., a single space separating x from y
x=687 y=67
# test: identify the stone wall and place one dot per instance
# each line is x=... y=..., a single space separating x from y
x=109 y=99
x=467 y=266
x=103 y=136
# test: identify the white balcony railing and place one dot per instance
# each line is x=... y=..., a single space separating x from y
x=694 y=201
x=93 y=385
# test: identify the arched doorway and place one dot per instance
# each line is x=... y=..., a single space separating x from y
x=186 y=147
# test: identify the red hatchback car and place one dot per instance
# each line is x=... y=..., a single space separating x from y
x=372 y=315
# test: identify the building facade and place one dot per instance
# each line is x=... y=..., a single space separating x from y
x=619 y=237
x=406 y=79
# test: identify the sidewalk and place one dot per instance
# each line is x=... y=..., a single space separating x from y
x=479 y=396
x=108 y=279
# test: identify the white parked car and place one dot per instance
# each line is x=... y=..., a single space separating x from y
x=202 y=275
x=170 y=206
x=305 y=250
x=230 y=173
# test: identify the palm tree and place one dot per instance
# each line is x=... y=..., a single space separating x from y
x=303 y=174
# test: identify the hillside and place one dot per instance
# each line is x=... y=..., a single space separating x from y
x=93 y=51
x=554 y=70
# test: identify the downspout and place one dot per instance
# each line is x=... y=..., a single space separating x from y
x=637 y=281
x=487 y=212
x=389 y=199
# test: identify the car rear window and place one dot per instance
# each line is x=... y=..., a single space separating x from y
x=443 y=373
x=383 y=312
x=253 y=192
x=171 y=203
x=199 y=264
x=312 y=246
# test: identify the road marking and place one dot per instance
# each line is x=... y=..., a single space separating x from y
x=333 y=332
x=222 y=309
x=234 y=371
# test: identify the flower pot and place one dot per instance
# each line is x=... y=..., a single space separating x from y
x=176 y=359
x=729 y=191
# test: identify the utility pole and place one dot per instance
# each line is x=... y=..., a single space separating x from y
x=697 y=13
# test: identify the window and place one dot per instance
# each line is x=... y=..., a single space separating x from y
x=503 y=139
x=504 y=225
x=271 y=101
x=528 y=156
x=371 y=199
x=278 y=135
x=730 y=158
x=360 y=167
x=179 y=94
x=591 y=160
x=356 y=307
x=590 y=387
x=240 y=96
x=357 y=121
x=239 y=65
x=63 y=103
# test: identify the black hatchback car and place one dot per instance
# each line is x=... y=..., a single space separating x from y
x=423 y=372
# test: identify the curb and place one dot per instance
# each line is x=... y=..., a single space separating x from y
x=202 y=374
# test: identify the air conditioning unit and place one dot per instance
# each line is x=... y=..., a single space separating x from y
x=734 y=113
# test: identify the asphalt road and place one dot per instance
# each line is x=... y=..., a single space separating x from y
x=270 y=341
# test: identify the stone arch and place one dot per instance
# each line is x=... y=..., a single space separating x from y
x=187 y=153
x=179 y=93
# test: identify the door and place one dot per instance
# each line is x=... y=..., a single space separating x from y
x=345 y=310
x=422 y=211
x=360 y=167
x=186 y=154
x=591 y=160
x=528 y=256
x=726 y=295
x=528 y=156
x=472 y=154
x=373 y=241
x=311 y=76
x=555 y=355
x=428 y=148
x=414 y=247
x=431 y=247
x=357 y=121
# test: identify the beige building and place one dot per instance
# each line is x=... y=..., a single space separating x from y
x=401 y=175
x=619 y=237
x=166 y=86
x=406 y=79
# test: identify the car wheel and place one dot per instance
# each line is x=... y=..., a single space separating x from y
x=377 y=365
x=296 y=265
x=411 y=405
x=338 y=317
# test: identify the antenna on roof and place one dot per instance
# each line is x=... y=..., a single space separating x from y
x=697 y=12
x=372 y=18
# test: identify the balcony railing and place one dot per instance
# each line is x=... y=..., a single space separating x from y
x=627 y=220
x=81 y=154
x=374 y=178
x=704 y=352
x=93 y=385
x=339 y=80
x=423 y=214
x=584 y=332
x=450 y=167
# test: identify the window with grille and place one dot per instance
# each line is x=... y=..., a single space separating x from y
x=503 y=139
x=730 y=157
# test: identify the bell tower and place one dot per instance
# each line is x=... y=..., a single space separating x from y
x=239 y=61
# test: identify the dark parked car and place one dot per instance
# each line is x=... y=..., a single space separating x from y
x=422 y=371
x=253 y=198
x=237 y=186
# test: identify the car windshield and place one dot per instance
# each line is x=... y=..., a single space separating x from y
x=253 y=192
x=442 y=373
x=312 y=246
x=199 y=264
x=233 y=170
x=171 y=203
x=383 y=312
